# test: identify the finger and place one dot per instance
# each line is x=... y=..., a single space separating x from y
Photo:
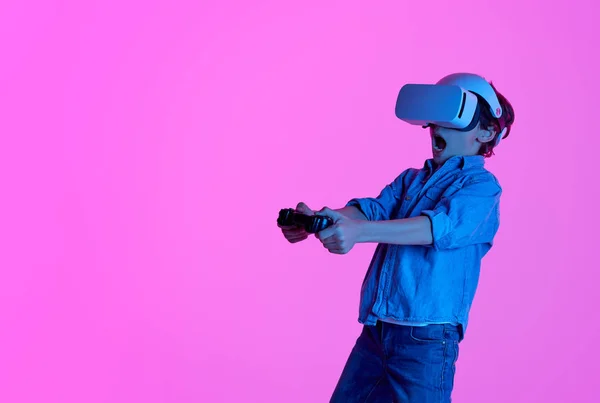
x=329 y=240
x=327 y=232
x=336 y=251
x=286 y=227
x=333 y=243
x=293 y=231
x=296 y=239
x=304 y=209
x=334 y=215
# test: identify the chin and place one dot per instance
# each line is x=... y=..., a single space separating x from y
x=439 y=158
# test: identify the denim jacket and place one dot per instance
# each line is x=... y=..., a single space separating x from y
x=434 y=283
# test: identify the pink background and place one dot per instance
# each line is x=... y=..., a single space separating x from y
x=147 y=148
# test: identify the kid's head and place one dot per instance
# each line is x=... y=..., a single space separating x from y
x=481 y=140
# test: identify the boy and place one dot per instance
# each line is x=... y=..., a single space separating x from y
x=433 y=226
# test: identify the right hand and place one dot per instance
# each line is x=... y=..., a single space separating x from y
x=296 y=234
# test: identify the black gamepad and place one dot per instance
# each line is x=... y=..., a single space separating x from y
x=311 y=223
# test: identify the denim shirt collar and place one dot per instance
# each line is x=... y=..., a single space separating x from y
x=458 y=161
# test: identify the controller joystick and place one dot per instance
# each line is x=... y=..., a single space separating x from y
x=311 y=223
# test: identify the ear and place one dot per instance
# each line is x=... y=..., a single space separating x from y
x=485 y=136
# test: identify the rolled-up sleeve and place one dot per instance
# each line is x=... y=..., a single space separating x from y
x=470 y=216
x=380 y=208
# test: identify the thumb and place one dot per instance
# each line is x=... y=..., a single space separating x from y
x=304 y=209
x=334 y=215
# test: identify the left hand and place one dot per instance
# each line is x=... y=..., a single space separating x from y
x=340 y=237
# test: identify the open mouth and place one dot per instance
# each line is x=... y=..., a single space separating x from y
x=439 y=144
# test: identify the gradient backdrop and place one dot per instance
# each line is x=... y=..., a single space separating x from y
x=147 y=148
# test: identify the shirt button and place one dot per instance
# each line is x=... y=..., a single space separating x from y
x=407 y=197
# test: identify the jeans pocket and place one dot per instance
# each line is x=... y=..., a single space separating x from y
x=427 y=334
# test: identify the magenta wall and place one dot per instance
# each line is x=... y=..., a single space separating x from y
x=148 y=146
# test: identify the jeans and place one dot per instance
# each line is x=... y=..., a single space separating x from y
x=394 y=363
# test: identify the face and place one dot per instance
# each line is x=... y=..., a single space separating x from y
x=447 y=143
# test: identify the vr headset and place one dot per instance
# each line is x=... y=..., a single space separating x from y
x=452 y=103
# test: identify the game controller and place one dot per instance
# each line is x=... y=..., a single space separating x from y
x=311 y=223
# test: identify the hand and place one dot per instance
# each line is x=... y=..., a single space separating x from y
x=340 y=237
x=296 y=234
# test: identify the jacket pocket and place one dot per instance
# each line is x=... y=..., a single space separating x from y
x=436 y=193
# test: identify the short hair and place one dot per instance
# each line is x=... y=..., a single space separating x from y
x=486 y=120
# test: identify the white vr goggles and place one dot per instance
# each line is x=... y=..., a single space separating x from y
x=452 y=103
